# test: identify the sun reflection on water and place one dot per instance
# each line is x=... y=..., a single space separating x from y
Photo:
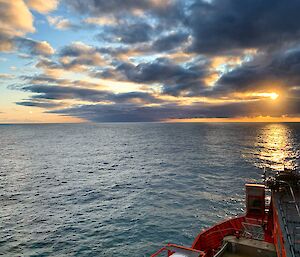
x=275 y=148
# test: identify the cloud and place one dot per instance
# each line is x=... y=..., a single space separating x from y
x=135 y=97
x=50 y=68
x=61 y=23
x=136 y=113
x=103 y=20
x=223 y=26
x=42 y=78
x=149 y=41
x=34 y=47
x=176 y=79
x=127 y=33
x=77 y=49
x=6 y=43
x=40 y=104
x=80 y=63
x=15 y=20
x=279 y=70
x=101 y=6
x=69 y=63
x=6 y=76
x=171 y=12
x=48 y=80
x=169 y=41
x=129 y=21
x=43 y=6
x=78 y=56
x=61 y=93
x=119 y=112
x=95 y=8
x=56 y=92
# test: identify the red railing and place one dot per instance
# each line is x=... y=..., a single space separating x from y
x=211 y=239
x=172 y=248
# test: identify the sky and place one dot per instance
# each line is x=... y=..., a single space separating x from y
x=149 y=60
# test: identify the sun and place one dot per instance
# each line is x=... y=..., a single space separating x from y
x=270 y=95
x=274 y=96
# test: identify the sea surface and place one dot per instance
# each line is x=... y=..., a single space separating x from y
x=126 y=189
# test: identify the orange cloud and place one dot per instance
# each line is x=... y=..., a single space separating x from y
x=15 y=20
x=43 y=6
x=44 y=48
x=105 y=20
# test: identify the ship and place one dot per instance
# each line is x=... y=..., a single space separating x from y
x=270 y=226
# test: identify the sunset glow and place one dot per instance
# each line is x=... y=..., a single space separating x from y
x=240 y=119
x=272 y=95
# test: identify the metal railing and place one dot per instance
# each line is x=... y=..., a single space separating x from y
x=286 y=209
x=173 y=248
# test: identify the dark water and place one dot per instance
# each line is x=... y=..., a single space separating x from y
x=126 y=189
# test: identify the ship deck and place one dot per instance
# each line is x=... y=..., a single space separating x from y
x=245 y=247
x=287 y=203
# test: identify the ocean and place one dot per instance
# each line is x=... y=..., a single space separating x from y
x=126 y=189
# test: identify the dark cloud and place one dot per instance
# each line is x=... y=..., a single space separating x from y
x=106 y=73
x=61 y=93
x=76 y=50
x=40 y=104
x=80 y=55
x=127 y=33
x=81 y=62
x=169 y=42
x=91 y=95
x=44 y=79
x=139 y=38
x=227 y=25
x=45 y=63
x=96 y=7
x=160 y=70
x=135 y=113
x=119 y=113
x=114 y=51
x=34 y=47
x=74 y=57
x=280 y=70
x=140 y=97
x=170 y=9
x=176 y=79
x=41 y=78
x=216 y=27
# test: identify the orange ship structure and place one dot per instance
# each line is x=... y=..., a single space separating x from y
x=269 y=228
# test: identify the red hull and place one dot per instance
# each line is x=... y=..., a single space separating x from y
x=211 y=239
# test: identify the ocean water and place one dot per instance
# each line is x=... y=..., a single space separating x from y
x=127 y=189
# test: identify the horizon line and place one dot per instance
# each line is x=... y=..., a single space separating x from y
x=166 y=122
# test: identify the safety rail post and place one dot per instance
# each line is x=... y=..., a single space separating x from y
x=159 y=251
